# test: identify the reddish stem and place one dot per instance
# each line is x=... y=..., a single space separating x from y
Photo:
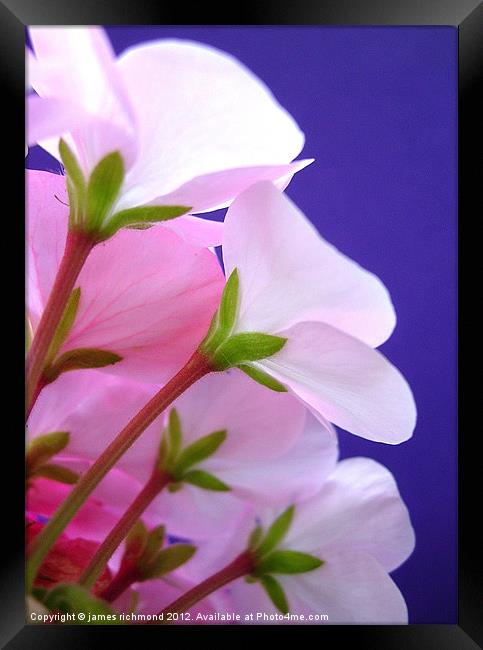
x=153 y=487
x=78 y=245
x=241 y=566
x=38 y=389
x=198 y=366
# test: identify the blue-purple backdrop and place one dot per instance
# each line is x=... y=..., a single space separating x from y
x=378 y=108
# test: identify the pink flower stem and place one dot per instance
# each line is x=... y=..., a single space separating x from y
x=153 y=487
x=198 y=366
x=78 y=245
x=241 y=566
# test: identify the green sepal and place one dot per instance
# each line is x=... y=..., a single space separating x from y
x=74 y=599
x=255 y=537
x=276 y=593
x=288 y=562
x=79 y=359
x=167 y=560
x=263 y=378
x=136 y=541
x=247 y=346
x=224 y=319
x=154 y=542
x=28 y=334
x=142 y=217
x=163 y=451
x=196 y=452
x=41 y=449
x=175 y=487
x=276 y=532
x=56 y=473
x=65 y=324
x=103 y=188
x=72 y=167
x=76 y=184
x=174 y=437
x=205 y=480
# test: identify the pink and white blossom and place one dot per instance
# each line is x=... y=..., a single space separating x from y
x=145 y=295
x=295 y=285
x=267 y=437
x=358 y=525
x=193 y=125
x=89 y=528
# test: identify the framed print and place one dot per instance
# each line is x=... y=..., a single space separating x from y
x=241 y=322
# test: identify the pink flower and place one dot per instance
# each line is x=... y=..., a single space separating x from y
x=101 y=511
x=145 y=295
x=357 y=525
x=263 y=442
x=193 y=125
x=76 y=547
x=294 y=285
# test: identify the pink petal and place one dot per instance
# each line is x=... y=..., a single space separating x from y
x=347 y=382
x=47 y=216
x=93 y=407
x=218 y=189
x=80 y=63
x=48 y=117
x=304 y=467
x=101 y=511
x=288 y=273
x=197 y=232
x=260 y=423
x=358 y=509
x=146 y=295
x=195 y=513
x=350 y=588
x=208 y=114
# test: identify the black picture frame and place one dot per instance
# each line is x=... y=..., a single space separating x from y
x=467 y=17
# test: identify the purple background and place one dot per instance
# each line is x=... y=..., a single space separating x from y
x=378 y=108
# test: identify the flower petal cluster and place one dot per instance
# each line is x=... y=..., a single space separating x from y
x=194 y=127
x=358 y=526
x=253 y=370
x=268 y=434
x=332 y=313
x=148 y=296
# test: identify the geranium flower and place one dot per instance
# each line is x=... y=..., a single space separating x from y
x=75 y=548
x=194 y=127
x=357 y=528
x=146 y=296
x=265 y=438
x=323 y=314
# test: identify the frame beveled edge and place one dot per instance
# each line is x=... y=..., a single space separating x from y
x=15 y=16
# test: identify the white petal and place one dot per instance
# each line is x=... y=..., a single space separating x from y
x=347 y=382
x=200 y=111
x=349 y=588
x=195 y=513
x=288 y=273
x=260 y=423
x=304 y=467
x=78 y=62
x=218 y=189
x=196 y=231
x=359 y=508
